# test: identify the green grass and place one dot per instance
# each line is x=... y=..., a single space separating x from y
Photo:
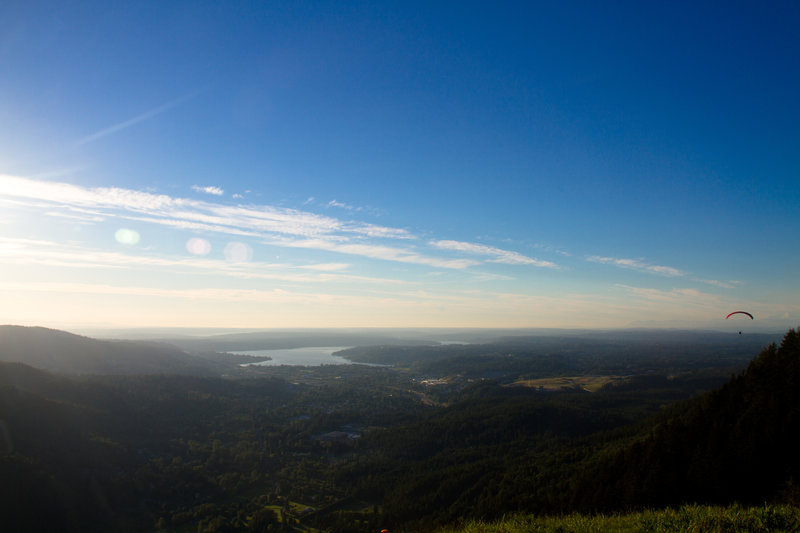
x=688 y=519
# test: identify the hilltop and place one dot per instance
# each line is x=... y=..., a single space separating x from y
x=60 y=351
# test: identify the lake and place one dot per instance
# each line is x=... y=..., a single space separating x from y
x=314 y=356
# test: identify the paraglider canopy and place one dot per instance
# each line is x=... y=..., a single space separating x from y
x=739 y=313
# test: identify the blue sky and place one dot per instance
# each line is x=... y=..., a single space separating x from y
x=325 y=164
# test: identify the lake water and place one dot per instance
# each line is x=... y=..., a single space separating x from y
x=316 y=356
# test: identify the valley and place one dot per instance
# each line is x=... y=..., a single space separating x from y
x=422 y=436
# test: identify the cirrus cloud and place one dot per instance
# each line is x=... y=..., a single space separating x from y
x=638 y=265
x=278 y=226
x=497 y=255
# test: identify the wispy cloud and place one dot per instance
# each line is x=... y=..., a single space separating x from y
x=375 y=251
x=496 y=255
x=135 y=120
x=70 y=196
x=235 y=295
x=682 y=303
x=210 y=189
x=159 y=208
x=637 y=264
x=342 y=205
x=328 y=267
x=718 y=283
x=274 y=225
x=49 y=253
x=680 y=295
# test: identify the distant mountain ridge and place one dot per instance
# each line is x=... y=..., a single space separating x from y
x=59 y=351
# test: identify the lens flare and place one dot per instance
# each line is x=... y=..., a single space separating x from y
x=238 y=252
x=198 y=246
x=127 y=236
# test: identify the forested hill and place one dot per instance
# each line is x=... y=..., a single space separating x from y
x=737 y=443
x=356 y=448
x=59 y=351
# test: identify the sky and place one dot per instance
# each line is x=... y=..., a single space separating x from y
x=399 y=164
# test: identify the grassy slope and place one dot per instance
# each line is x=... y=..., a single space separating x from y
x=690 y=518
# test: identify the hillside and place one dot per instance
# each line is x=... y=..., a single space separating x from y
x=59 y=351
x=102 y=453
x=502 y=450
x=764 y=518
x=346 y=448
x=736 y=443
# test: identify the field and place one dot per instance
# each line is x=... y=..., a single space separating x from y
x=553 y=384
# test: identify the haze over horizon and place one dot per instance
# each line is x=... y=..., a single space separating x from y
x=580 y=165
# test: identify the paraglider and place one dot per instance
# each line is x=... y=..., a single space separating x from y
x=739 y=313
